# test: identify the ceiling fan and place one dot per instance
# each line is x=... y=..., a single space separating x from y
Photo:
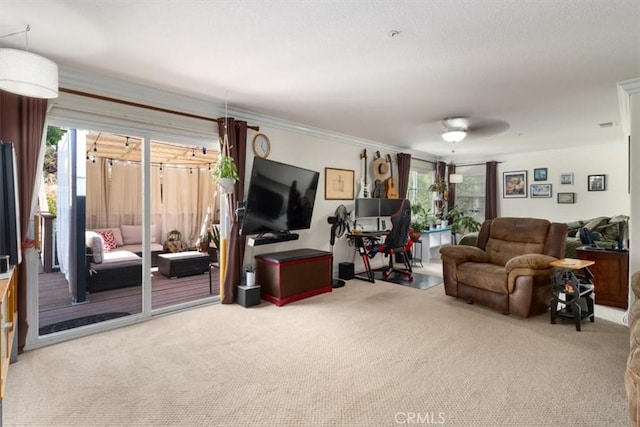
x=455 y=129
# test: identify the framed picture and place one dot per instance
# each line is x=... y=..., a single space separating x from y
x=338 y=184
x=539 y=175
x=541 y=190
x=597 y=182
x=514 y=184
x=566 y=178
x=566 y=197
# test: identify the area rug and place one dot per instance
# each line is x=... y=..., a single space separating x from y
x=81 y=321
x=420 y=281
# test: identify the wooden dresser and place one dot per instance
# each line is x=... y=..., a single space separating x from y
x=611 y=275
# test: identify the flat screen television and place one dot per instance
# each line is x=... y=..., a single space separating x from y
x=280 y=198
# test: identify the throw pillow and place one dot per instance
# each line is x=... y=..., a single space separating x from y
x=109 y=240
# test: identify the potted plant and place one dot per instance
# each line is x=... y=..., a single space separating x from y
x=212 y=236
x=460 y=222
x=225 y=170
x=418 y=221
x=438 y=188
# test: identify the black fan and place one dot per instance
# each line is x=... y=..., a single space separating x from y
x=339 y=224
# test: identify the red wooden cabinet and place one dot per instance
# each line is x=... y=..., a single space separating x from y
x=289 y=276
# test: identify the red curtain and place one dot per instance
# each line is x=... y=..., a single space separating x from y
x=491 y=191
x=22 y=122
x=404 y=166
x=451 y=198
x=237 y=135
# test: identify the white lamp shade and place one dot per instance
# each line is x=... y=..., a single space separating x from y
x=455 y=178
x=25 y=73
x=454 y=134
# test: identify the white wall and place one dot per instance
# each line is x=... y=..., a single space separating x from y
x=315 y=153
x=610 y=160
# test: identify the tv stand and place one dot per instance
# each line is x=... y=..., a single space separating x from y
x=269 y=238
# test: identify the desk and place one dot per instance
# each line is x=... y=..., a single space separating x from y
x=362 y=241
x=572 y=279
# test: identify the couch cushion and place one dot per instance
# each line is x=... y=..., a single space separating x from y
x=510 y=237
x=109 y=240
x=487 y=276
x=95 y=243
x=116 y=234
x=132 y=234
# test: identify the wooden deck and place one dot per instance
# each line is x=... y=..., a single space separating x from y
x=56 y=303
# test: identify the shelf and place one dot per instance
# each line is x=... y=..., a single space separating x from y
x=267 y=240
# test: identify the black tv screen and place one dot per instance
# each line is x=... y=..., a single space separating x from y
x=280 y=197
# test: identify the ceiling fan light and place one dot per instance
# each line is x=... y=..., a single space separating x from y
x=454 y=134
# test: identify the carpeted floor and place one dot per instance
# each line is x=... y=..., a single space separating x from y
x=362 y=355
x=81 y=321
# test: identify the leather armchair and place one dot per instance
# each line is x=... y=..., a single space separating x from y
x=508 y=269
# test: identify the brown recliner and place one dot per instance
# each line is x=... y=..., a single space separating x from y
x=508 y=269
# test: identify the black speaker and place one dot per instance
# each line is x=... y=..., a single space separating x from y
x=345 y=270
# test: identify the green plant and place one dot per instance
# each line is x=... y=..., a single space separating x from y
x=419 y=217
x=460 y=222
x=225 y=167
x=438 y=186
x=215 y=235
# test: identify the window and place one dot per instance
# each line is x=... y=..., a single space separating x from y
x=421 y=176
x=470 y=193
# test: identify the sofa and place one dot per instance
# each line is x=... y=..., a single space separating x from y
x=604 y=229
x=632 y=373
x=508 y=268
x=114 y=257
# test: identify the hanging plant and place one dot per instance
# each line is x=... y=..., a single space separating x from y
x=225 y=167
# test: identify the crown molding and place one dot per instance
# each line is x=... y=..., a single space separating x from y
x=626 y=89
x=113 y=87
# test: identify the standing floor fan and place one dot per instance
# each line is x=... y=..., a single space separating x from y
x=339 y=224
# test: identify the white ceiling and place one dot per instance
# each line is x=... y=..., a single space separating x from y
x=548 y=69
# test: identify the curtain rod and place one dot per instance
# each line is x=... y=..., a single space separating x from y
x=147 y=107
x=473 y=164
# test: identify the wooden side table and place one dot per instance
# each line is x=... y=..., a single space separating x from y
x=571 y=285
x=611 y=273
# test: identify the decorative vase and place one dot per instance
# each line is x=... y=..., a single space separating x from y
x=226 y=184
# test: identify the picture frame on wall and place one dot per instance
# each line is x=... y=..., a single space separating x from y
x=566 y=178
x=339 y=184
x=514 y=184
x=566 y=198
x=540 y=191
x=540 y=174
x=597 y=182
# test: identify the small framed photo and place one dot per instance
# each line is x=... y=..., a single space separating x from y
x=539 y=175
x=540 y=190
x=566 y=178
x=566 y=197
x=597 y=182
x=514 y=184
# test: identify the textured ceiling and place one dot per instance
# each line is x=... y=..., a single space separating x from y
x=545 y=70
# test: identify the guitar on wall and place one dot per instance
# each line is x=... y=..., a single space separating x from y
x=389 y=185
x=364 y=192
x=379 y=170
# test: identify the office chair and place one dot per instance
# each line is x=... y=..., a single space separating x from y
x=397 y=242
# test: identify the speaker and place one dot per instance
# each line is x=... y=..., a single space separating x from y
x=345 y=270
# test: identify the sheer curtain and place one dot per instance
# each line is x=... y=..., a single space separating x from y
x=63 y=222
x=124 y=195
x=96 y=201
